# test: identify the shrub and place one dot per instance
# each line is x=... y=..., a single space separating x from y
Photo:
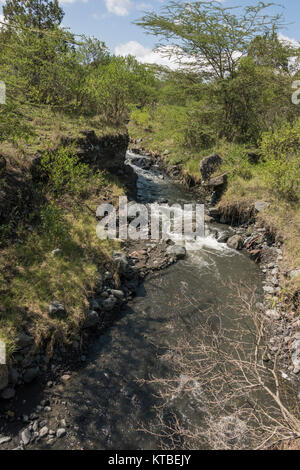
x=198 y=132
x=141 y=117
x=280 y=150
x=65 y=171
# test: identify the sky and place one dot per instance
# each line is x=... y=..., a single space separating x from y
x=112 y=22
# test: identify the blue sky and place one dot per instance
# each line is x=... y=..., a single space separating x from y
x=111 y=21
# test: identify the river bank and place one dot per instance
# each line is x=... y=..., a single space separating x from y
x=31 y=371
x=76 y=407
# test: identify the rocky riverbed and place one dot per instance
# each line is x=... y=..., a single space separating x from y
x=41 y=414
x=243 y=233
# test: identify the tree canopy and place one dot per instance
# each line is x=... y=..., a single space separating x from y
x=209 y=36
x=41 y=14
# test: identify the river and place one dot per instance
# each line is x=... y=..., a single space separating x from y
x=104 y=402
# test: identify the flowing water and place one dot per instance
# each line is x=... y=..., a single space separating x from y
x=105 y=401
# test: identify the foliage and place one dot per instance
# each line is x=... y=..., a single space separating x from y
x=282 y=164
x=41 y=14
x=66 y=172
x=110 y=89
x=209 y=36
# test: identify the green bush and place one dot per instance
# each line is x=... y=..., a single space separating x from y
x=280 y=150
x=141 y=117
x=65 y=171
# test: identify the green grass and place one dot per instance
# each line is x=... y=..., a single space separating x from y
x=32 y=277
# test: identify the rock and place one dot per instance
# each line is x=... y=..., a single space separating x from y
x=260 y=307
x=209 y=165
x=61 y=432
x=26 y=436
x=261 y=205
x=296 y=356
x=119 y=294
x=294 y=273
x=107 y=276
x=56 y=252
x=208 y=219
x=23 y=341
x=223 y=237
x=56 y=309
x=235 y=242
x=177 y=250
x=30 y=374
x=269 y=290
x=8 y=393
x=3 y=376
x=44 y=431
x=273 y=314
x=13 y=376
x=92 y=319
x=4 y=439
x=65 y=378
x=142 y=162
x=109 y=304
x=217 y=182
x=122 y=261
x=214 y=212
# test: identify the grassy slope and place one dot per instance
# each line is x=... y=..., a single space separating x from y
x=31 y=276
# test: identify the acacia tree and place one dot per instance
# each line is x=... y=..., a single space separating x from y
x=209 y=36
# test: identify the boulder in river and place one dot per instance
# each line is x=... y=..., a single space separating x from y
x=235 y=242
x=177 y=250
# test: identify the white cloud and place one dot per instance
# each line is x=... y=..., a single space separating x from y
x=143 y=6
x=289 y=41
x=146 y=55
x=118 y=7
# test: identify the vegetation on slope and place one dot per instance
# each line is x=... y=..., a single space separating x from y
x=48 y=196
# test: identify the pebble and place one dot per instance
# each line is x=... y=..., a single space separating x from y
x=5 y=439
x=43 y=432
x=26 y=436
x=60 y=432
